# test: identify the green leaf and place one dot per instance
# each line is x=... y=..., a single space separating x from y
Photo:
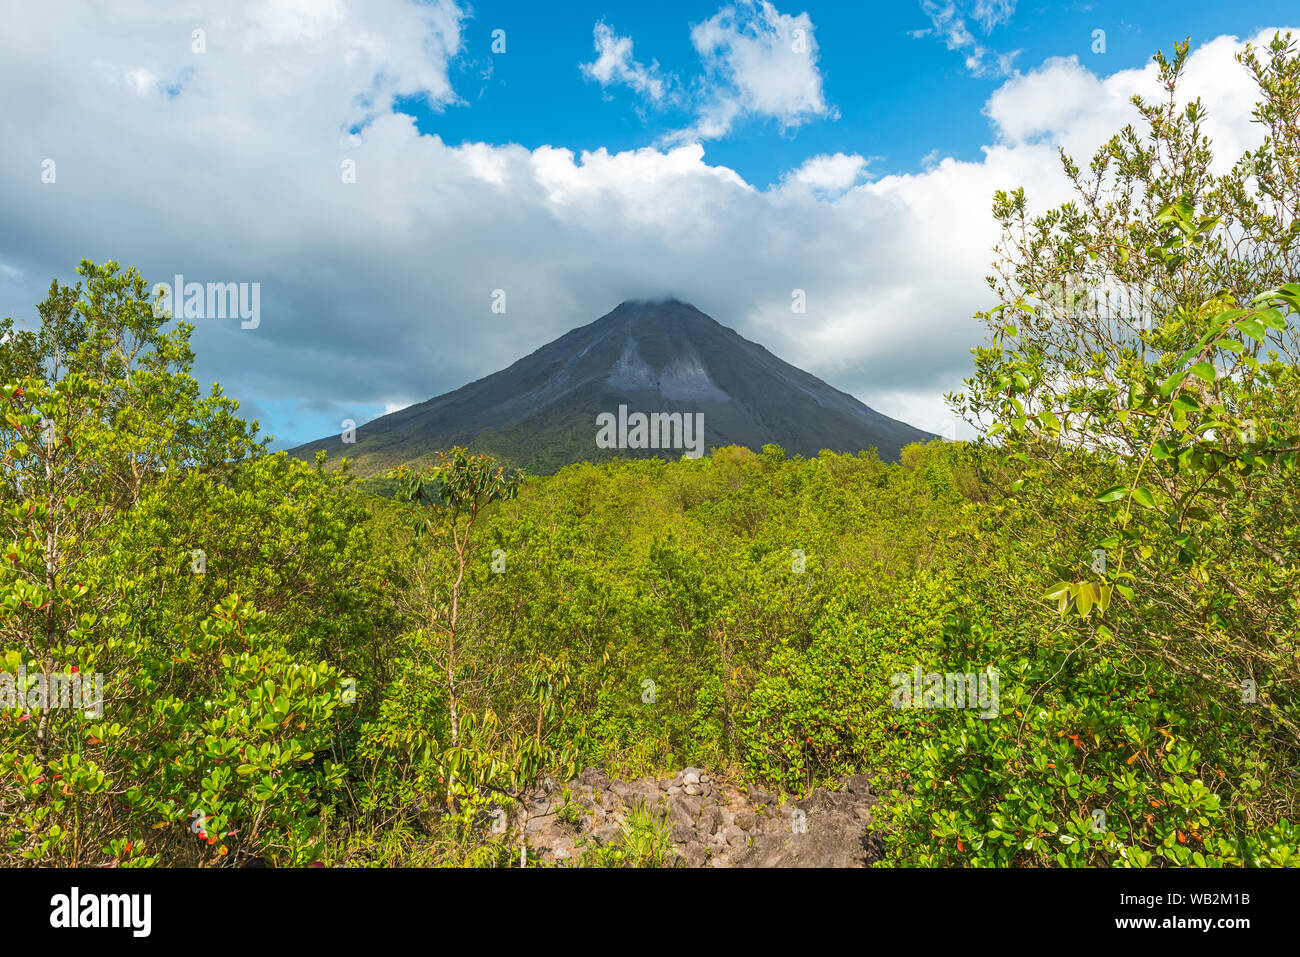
x=1172 y=383
x=1253 y=328
x=1113 y=494
x=1273 y=319
x=1103 y=597
x=1204 y=371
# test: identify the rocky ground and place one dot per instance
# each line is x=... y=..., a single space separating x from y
x=712 y=823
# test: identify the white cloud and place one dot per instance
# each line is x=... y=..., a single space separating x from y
x=756 y=62
x=991 y=13
x=1063 y=102
x=614 y=64
x=760 y=63
x=825 y=176
x=949 y=21
x=380 y=292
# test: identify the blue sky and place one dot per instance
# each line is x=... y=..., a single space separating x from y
x=900 y=97
x=727 y=153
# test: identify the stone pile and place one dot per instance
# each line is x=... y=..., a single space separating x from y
x=711 y=823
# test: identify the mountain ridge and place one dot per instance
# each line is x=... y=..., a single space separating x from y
x=653 y=356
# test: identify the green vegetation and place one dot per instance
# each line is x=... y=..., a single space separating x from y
x=297 y=669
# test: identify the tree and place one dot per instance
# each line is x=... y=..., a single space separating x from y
x=1142 y=383
x=447 y=501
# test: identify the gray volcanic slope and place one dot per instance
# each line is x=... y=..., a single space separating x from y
x=662 y=356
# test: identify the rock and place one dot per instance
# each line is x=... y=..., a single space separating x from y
x=819 y=799
x=695 y=854
x=684 y=808
x=834 y=838
x=645 y=794
x=594 y=778
x=858 y=783
x=711 y=824
x=539 y=806
x=682 y=833
x=559 y=848
x=682 y=813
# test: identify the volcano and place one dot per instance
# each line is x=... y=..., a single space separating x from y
x=659 y=357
